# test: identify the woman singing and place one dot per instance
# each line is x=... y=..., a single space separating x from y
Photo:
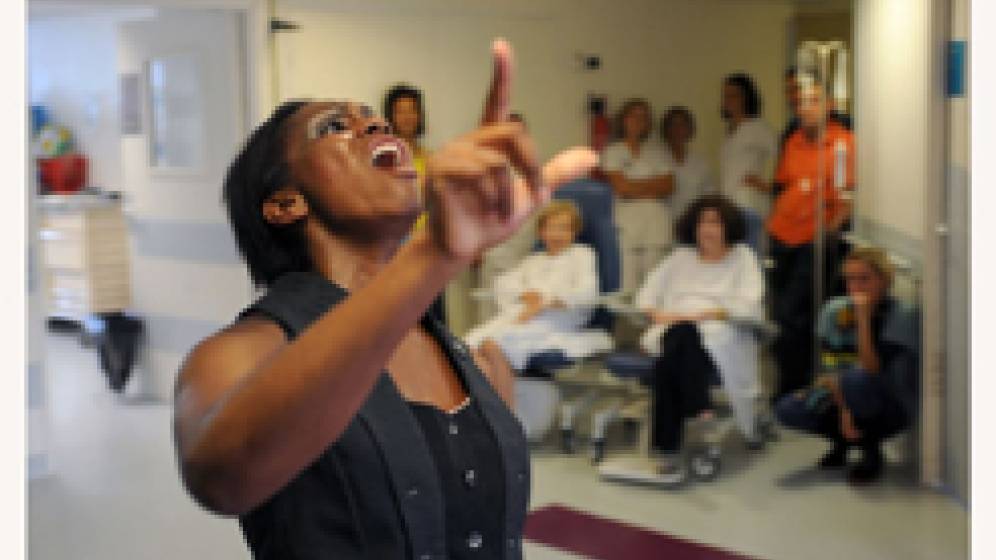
x=332 y=417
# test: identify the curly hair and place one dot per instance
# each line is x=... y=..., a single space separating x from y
x=734 y=224
x=404 y=91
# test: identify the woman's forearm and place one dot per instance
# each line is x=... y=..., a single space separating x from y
x=282 y=415
x=655 y=187
x=867 y=355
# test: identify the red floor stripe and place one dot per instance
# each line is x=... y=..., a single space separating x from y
x=599 y=538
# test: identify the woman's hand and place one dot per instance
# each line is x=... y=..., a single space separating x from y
x=828 y=382
x=533 y=304
x=531 y=298
x=475 y=201
x=862 y=306
x=666 y=317
x=531 y=310
x=756 y=183
x=710 y=315
x=659 y=317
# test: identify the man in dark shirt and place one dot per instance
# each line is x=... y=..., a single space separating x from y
x=868 y=389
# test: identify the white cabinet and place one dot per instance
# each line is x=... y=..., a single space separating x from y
x=84 y=246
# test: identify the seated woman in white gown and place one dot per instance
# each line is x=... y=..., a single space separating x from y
x=547 y=299
x=701 y=300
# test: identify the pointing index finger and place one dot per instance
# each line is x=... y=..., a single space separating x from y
x=497 y=103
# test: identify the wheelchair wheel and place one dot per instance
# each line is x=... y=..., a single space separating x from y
x=766 y=430
x=704 y=463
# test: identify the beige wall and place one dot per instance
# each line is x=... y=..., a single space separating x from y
x=892 y=80
x=674 y=51
x=914 y=185
x=958 y=281
x=671 y=52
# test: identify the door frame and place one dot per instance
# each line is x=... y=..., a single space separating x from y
x=933 y=443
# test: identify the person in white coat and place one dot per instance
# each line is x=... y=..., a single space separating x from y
x=636 y=168
x=546 y=301
x=748 y=147
x=702 y=300
x=692 y=177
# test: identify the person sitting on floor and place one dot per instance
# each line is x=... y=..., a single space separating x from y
x=701 y=299
x=870 y=346
x=546 y=301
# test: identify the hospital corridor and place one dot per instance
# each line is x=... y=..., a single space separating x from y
x=559 y=279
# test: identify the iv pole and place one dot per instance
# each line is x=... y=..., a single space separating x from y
x=815 y=56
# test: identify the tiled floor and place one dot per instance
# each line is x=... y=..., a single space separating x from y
x=115 y=494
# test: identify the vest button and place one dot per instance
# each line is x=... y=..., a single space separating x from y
x=470 y=477
x=413 y=491
x=475 y=540
x=521 y=477
x=454 y=429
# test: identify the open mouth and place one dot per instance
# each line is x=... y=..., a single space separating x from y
x=386 y=156
x=390 y=155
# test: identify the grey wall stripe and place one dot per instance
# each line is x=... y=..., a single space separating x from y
x=35 y=386
x=32 y=271
x=37 y=465
x=892 y=239
x=186 y=241
x=171 y=333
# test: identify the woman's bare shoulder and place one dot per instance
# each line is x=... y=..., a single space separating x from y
x=234 y=350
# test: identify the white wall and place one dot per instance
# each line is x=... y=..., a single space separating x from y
x=72 y=70
x=36 y=378
x=672 y=52
x=187 y=277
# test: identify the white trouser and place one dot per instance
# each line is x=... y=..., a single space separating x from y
x=645 y=236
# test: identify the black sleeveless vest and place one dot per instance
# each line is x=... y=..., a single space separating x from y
x=375 y=492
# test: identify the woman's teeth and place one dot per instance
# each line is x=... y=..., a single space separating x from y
x=385 y=156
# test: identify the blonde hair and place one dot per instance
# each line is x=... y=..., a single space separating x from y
x=560 y=207
x=876 y=259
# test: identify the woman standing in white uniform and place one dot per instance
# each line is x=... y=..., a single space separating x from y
x=547 y=299
x=692 y=176
x=699 y=299
x=643 y=183
x=747 y=148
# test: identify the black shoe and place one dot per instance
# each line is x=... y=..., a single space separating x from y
x=868 y=470
x=597 y=451
x=567 y=441
x=755 y=444
x=836 y=458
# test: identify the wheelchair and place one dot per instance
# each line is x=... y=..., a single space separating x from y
x=704 y=440
x=538 y=393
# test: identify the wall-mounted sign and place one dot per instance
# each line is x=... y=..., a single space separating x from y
x=956 y=68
